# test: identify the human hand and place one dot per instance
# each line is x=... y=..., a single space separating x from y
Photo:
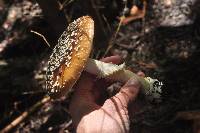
x=89 y=115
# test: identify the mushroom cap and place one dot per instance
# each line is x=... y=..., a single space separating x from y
x=69 y=56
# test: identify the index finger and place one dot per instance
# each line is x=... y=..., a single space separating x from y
x=116 y=59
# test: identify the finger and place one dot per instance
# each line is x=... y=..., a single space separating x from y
x=106 y=83
x=127 y=94
x=102 y=84
x=118 y=104
x=141 y=74
x=116 y=59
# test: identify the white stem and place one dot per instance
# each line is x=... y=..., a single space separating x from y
x=119 y=73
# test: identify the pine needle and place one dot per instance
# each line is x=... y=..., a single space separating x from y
x=35 y=32
x=110 y=43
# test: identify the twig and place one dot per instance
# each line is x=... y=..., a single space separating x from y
x=107 y=23
x=65 y=3
x=128 y=47
x=188 y=115
x=192 y=116
x=98 y=16
x=35 y=32
x=110 y=43
x=138 y=16
x=25 y=114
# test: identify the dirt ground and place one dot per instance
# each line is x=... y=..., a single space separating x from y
x=164 y=45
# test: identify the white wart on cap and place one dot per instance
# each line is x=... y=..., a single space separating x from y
x=69 y=56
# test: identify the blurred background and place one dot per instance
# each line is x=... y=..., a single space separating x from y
x=159 y=37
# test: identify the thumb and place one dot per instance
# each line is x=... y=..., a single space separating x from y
x=127 y=93
x=118 y=104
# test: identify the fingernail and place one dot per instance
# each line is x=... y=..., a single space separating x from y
x=141 y=74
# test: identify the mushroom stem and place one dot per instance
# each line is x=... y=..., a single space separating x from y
x=115 y=72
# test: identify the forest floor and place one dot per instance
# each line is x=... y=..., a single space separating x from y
x=164 y=45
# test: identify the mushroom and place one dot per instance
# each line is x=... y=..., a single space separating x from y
x=71 y=56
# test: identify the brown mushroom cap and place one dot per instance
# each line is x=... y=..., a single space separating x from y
x=69 y=56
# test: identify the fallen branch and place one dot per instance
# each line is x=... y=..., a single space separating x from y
x=24 y=115
x=193 y=116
